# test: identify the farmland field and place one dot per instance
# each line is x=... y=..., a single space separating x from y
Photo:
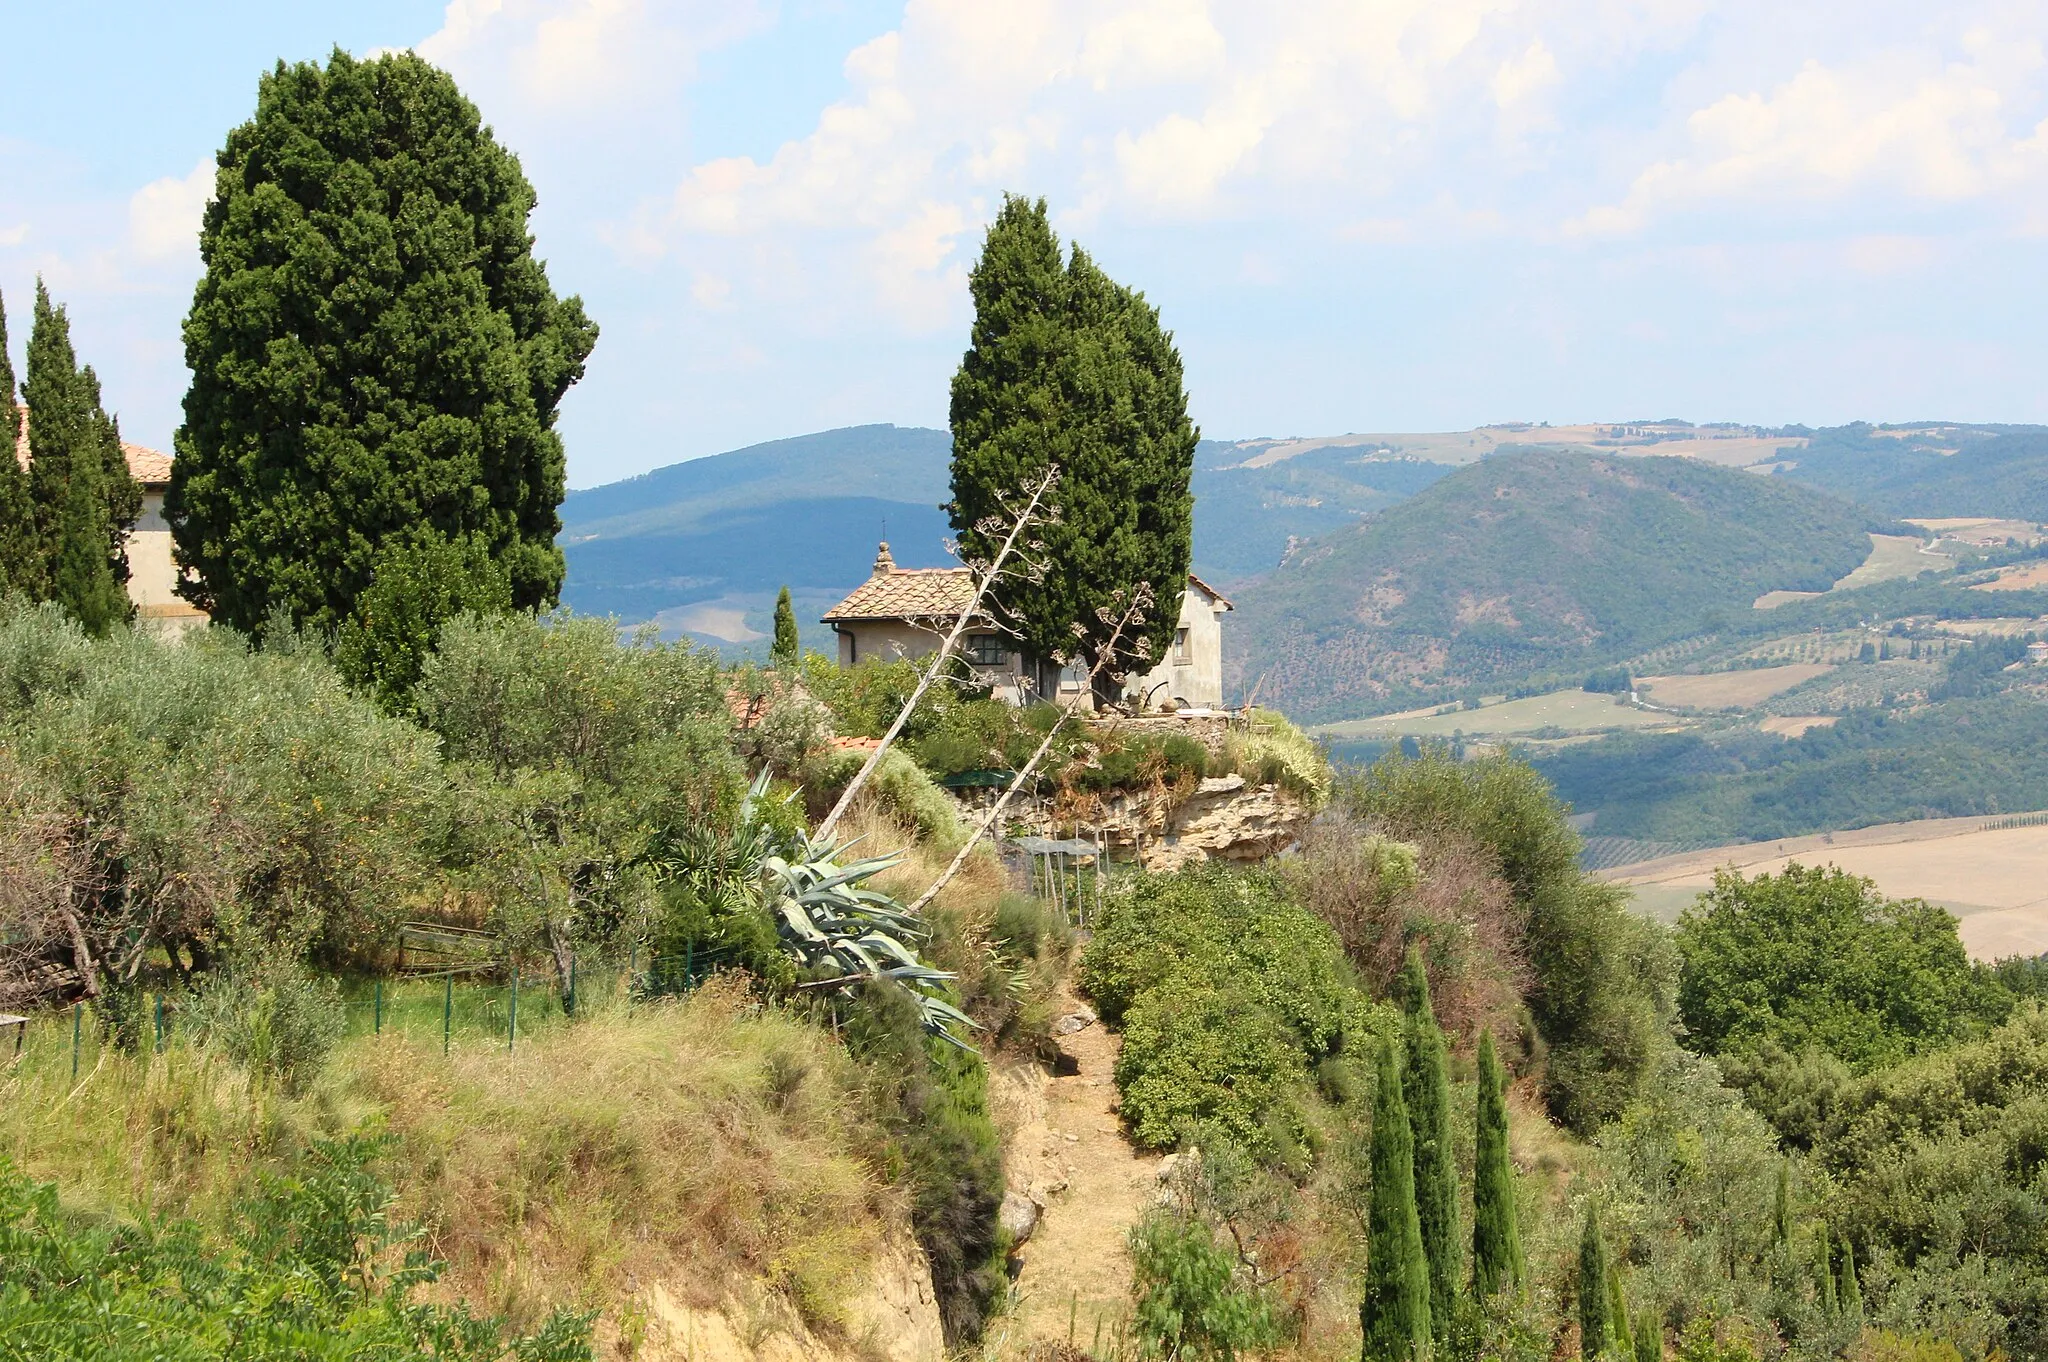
x=1730 y=690
x=1574 y=711
x=1891 y=556
x=1995 y=880
x=2019 y=577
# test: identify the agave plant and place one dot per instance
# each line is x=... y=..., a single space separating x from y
x=839 y=932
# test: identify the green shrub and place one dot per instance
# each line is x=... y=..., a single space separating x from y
x=1229 y=993
x=419 y=581
x=932 y=1098
x=1816 y=957
x=310 y=1267
x=1272 y=751
x=899 y=785
x=1028 y=928
x=1190 y=1303
x=277 y=1020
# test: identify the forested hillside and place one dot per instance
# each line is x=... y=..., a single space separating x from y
x=1930 y=470
x=1527 y=559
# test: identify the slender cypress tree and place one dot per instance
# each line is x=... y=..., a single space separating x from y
x=1826 y=1245
x=1781 y=1209
x=1496 y=1238
x=1620 y=1339
x=20 y=563
x=1067 y=367
x=1594 y=1329
x=1649 y=1340
x=1428 y=1089
x=783 y=650
x=83 y=500
x=1851 y=1293
x=1395 y=1312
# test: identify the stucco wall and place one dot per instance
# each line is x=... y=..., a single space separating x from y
x=1199 y=680
x=152 y=573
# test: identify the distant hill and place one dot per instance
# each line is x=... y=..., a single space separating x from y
x=1531 y=558
x=1933 y=470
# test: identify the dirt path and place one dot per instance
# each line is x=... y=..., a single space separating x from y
x=1069 y=1155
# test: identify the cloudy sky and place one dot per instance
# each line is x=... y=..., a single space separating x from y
x=1356 y=215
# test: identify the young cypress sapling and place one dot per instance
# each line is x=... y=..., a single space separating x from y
x=783 y=652
x=1826 y=1246
x=1619 y=1338
x=1781 y=1211
x=1649 y=1340
x=1427 y=1087
x=1851 y=1293
x=1496 y=1238
x=1594 y=1305
x=1395 y=1312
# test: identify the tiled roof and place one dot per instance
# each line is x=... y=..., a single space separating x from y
x=907 y=594
x=1214 y=594
x=150 y=467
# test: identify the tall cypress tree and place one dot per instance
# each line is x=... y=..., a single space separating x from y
x=82 y=498
x=1496 y=1237
x=20 y=563
x=784 y=649
x=1594 y=1326
x=374 y=349
x=1851 y=1293
x=1395 y=1311
x=1826 y=1245
x=1620 y=1338
x=1427 y=1086
x=1067 y=367
x=1781 y=1206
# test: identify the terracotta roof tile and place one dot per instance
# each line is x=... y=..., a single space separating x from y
x=907 y=594
x=150 y=467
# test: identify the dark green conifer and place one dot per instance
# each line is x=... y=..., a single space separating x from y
x=1781 y=1210
x=20 y=563
x=1851 y=1293
x=1496 y=1237
x=375 y=350
x=1595 y=1329
x=1067 y=367
x=83 y=500
x=1826 y=1246
x=1395 y=1312
x=1427 y=1087
x=783 y=651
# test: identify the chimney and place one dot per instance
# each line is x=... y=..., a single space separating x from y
x=884 y=564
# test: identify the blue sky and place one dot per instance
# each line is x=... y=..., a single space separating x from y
x=1397 y=215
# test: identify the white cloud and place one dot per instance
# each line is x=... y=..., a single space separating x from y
x=164 y=215
x=582 y=56
x=1911 y=124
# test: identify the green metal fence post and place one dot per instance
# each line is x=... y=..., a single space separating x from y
x=159 y=1023
x=512 y=1013
x=377 y=1026
x=689 y=966
x=447 y=1009
x=77 y=1026
x=569 y=1003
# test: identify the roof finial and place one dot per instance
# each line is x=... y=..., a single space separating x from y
x=884 y=564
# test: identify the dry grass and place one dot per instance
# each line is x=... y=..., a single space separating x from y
x=2019 y=577
x=1730 y=690
x=1793 y=725
x=700 y=1144
x=1571 y=710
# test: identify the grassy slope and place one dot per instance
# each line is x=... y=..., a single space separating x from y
x=1529 y=560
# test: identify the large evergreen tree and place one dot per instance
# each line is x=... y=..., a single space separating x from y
x=1496 y=1237
x=1395 y=1311
x=1067 y=367
x=1428 y=1089
x=82 y=500
x=374 y=348
x=20 y=562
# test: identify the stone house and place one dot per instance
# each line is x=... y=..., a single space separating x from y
x=906 y=612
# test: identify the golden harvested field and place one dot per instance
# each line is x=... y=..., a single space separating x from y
x=1998 y=628
x=1980 y=530
x=2018 y=577
x=1793 y=725
x=1730 y=690
x=1995 y=882
x=1575 y=711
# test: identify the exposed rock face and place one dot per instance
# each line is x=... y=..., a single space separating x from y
x=1019 y=1216
x=1224 y=819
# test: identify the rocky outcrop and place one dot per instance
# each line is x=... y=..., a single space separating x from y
x=1223 y=819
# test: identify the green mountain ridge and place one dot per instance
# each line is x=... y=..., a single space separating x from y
x=1531 y=557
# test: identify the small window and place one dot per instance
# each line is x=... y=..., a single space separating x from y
x=1182 y=653
x=986 y=650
